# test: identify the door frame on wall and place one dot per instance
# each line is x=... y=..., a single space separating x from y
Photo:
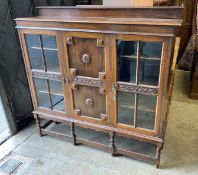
x=9 y=118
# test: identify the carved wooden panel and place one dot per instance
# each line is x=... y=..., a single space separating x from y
x=137 y=89
x=90 y=102
x=87 y=56
x=46 y=75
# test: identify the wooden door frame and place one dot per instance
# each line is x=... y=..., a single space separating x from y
x=29 y=71
x=165 y=59
x=96 y=36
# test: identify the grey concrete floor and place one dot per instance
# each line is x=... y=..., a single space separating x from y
x=51 y=156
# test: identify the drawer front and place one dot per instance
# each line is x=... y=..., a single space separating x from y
x=88 y=77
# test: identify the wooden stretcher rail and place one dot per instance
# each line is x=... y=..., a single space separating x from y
x=107 y=148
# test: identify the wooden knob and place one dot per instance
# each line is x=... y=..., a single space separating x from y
x=86 y=58
x=89 y=102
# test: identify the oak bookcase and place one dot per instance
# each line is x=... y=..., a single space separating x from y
x=103 y=76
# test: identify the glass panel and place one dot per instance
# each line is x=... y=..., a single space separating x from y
x=91 y=135
x=150 y=58
x=126 y=60
x=149 y=72
x=42 y=93
x=135 y=146
x=57 y=97
x=146 y=110
x=151 y=50
x=35 y=52
x=60 y=128
x=126 y=104
x=51 y=53
x=49 y=42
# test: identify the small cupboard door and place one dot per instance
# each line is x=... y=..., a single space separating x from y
x=86 y=57
x=42 y=61
x=136 y=88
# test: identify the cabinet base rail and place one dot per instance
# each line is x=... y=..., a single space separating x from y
x=112 y=146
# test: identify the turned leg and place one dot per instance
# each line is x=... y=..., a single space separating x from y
x=158 y=154
x=73 y=134
x=112 y=144
x=38 y=123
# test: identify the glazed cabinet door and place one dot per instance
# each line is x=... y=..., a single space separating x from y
x=86 y=57
x=42 y=61
x=139 y=66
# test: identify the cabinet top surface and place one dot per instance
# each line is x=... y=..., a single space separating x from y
x=102 y=20
x=165 y=16
x=108 y=7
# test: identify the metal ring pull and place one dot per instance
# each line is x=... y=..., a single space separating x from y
x=86 y=58
x=89 y=102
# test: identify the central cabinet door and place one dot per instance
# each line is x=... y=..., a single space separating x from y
x=88 y=77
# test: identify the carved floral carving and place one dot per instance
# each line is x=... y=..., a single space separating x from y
x=89 y=102
x=137 y=89
x=89 y=82
x=86 y=58
x=46 y=75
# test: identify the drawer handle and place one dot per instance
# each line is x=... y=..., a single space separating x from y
x=89 y=102
x=86 y=58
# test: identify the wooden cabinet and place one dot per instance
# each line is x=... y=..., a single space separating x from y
x=105 y=74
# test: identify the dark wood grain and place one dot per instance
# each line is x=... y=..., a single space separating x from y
x=113 y=12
